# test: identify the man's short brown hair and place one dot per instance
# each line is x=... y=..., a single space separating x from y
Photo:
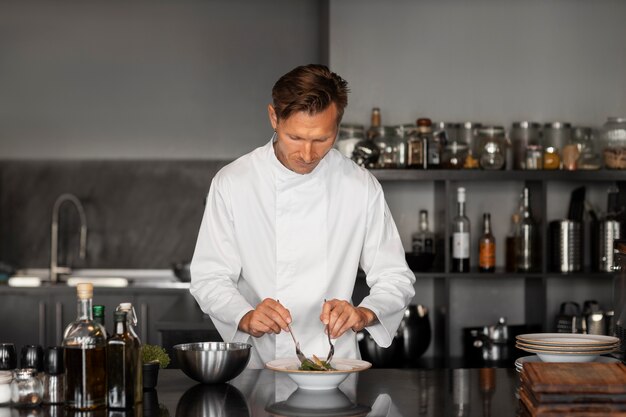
x=310 y=88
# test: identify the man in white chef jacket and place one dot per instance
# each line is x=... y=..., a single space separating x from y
x=287 y=226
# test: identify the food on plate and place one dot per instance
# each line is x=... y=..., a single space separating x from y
x=316 y=364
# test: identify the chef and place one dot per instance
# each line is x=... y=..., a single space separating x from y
x=287 y=226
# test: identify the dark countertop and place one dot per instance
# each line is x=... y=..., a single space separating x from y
x=375 y=392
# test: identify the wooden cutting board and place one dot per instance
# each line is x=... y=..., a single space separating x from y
x=567 y=378
x=533 y=409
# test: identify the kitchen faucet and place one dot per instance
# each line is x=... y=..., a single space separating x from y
x=55 y=269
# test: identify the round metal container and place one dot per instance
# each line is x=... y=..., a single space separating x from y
x=566 y=245
x=212 y=362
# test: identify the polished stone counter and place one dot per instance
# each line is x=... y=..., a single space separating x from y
x=375 y=392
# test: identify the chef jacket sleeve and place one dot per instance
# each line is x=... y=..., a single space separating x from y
x=388 y=275
x=216 y=266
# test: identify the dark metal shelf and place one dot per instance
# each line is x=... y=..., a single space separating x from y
x=500 y=274
x=481 y=175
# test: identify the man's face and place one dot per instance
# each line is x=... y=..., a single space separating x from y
x=303 y=139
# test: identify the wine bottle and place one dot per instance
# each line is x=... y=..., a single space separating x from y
x=85 y=356
x=487 y=247
x=526 y=261
x=460 y=236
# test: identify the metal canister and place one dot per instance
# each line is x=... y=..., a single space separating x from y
x=607 y=232
x=566 y=245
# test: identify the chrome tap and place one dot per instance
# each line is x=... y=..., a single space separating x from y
x=55 y=269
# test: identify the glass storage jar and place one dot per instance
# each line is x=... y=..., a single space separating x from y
x=454 y=155
x=492 y=148
x=523 y=134
x=556 y=135
x=585 y=139
x=26 y=388
x=349 y=136
x=614 y=136
x=391 y=146
x=551 y=158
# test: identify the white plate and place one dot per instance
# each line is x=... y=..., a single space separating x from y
x=318 y=380
x=554 y=348
x=519 y=362
x=567 y=339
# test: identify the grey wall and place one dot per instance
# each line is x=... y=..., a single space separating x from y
x=482 y=60
x=146 y=79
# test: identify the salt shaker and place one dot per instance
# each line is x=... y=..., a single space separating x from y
x=26 y=388
x=5 y=387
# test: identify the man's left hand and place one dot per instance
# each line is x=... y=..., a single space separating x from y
x=342 y=316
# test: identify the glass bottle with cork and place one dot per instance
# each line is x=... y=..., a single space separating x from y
x=526 y=260
x=131 y=321
x=123 y=365
x=487 y=247
x=460 y=239
x=84 y=344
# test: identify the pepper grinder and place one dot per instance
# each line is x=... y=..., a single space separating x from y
x=54 y=378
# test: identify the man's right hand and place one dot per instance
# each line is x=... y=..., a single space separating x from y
x=268 y=317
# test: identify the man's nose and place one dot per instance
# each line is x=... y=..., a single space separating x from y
x=307 y=153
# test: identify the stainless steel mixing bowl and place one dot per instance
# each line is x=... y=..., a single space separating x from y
x=212 y=362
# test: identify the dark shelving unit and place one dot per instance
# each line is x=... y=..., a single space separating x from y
x=535 y=283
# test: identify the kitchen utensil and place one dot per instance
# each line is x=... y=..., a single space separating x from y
x=181 y=270
x=568 y=319
x=318 y=380
x=577 y=205
x=604 y=233
x=593 y=321
x=212 y=362
x=389 y=357
x=415 y=332
x=8 y=357
x=331 y=352
x=299 y=353
x=566 y=245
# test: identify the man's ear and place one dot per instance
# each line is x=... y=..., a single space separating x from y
x=273 y=117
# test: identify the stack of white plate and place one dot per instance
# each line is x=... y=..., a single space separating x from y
x=566 y=347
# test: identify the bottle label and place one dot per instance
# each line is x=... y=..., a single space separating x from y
x=487 y=255
x=460 y=245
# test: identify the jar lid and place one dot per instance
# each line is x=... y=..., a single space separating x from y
x=6 y=377
x=491 y=131
x=349 y=127
x=469 y=125
x=557 y=125
x=526 y=125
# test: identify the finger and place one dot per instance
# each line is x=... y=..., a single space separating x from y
x=337 y=311
x=258 y=329
x=339 y=323
x=276 y=308
x=326 y=308
x=269 y=322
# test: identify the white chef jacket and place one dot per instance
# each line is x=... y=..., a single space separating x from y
x=268 y=232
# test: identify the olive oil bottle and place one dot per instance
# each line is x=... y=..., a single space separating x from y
x=123 y=365
x=84 y=343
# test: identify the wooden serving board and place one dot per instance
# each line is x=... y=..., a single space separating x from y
x=534 y=409
x=569 y=378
